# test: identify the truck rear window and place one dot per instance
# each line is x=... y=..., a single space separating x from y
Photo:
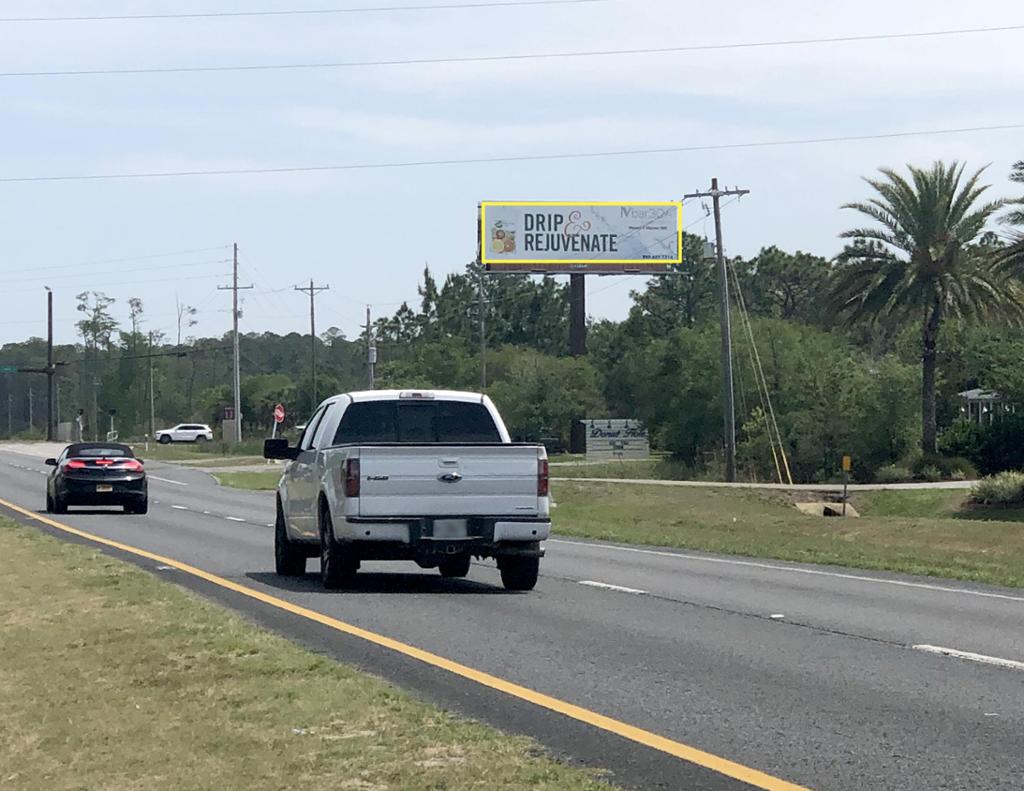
x=421 y=421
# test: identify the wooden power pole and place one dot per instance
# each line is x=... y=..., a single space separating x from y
x=728 y=391
x=312 y=290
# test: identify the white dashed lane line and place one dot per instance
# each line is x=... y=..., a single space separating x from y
x=234 y=519
x=609 y=587
x=167 y=480
x=179 y=507
x=1010 y=664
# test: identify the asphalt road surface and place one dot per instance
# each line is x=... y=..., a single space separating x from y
x=818 y=676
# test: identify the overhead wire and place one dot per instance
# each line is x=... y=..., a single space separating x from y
x=107 y=72
x=285 y=12
x=515 y=158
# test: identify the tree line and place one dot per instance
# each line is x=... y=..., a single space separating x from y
x=862 y=354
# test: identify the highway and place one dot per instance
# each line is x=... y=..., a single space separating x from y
x=823 y=677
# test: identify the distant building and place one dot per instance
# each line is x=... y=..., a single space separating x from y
x=983 y=406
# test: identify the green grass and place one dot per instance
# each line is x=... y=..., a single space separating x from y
x=893 y=535
x=649 y=469
x=254 y=481
x=112 y=679
x=190 y=451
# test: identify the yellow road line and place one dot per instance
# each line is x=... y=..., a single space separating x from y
x=692 y=755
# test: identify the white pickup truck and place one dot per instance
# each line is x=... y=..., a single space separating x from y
x=430 y=477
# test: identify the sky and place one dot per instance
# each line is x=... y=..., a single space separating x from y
x=369 y=233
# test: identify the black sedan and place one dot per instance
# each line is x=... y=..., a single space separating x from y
x=97 y=473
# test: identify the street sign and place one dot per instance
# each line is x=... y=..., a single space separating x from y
x=8 y=369
x=847 y=464
x=279 y=413
x=229 y=413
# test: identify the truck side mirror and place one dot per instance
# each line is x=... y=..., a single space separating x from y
x=277 y=448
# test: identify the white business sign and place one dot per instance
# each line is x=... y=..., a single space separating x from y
x=616 y=438
x=603 y=236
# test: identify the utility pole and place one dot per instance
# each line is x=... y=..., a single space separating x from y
x=483 y=335
x=152 y=397
x=51 y=422
x=95 y=409
x=312 y=291
x=371 y=350
x=10 y=410
x=728 y=393
x=234 y=288
x=31 y=397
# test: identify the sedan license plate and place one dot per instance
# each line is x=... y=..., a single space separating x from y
x=104 y=487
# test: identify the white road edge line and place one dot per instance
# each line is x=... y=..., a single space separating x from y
x=792 y=570
x=982 y=658
x=167 y=480
x=234 y=519
x=608 y=586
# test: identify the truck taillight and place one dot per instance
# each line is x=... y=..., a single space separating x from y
x=352 y=477
x=543 y=478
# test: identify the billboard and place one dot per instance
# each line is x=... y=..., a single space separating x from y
x=602 y=237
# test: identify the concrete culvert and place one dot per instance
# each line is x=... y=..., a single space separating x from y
x=826 y=509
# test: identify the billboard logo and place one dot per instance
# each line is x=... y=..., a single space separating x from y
x=503 y=238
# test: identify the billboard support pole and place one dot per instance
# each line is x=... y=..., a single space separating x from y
x=577 y=348
x=728 y=391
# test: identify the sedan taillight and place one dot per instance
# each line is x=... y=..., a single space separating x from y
x=543 y=478
x=351 y=477
x=75 y=464
x=130 y=465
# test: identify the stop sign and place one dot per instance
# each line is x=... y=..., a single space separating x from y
x=279 y=413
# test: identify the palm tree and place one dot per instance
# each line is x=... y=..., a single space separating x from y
x=1011 y=258
x=920 y=264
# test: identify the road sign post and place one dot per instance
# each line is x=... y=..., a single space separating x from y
x=279 y=414
x=847 y=466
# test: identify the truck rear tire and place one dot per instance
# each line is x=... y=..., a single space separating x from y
x=289 y=559
x=519 y=573
x=338 y=565
x=455 y=568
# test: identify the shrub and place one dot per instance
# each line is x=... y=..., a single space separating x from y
x=942 y=468
x=893 y=473
x=964 y=438
x=1004 y=488
x=1002 y=445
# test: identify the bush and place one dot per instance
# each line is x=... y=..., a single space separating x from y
x=1004 y=488
x=964 y=438
x=1002 y=445
x=931 y=467
x=893 y=473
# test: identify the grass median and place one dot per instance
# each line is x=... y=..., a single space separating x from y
x=113 y=679
x=928 y=533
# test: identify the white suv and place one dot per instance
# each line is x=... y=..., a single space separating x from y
x=185 y=432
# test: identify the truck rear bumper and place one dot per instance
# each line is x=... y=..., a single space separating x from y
x=473 y=531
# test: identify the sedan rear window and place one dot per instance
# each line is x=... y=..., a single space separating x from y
x=416 y=422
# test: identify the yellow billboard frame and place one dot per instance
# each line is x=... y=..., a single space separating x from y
x=577 y=261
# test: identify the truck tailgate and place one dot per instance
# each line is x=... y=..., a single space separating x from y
x=451 y=480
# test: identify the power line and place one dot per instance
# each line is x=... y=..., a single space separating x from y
x=295 y=12
x=91 y=274
x=520 y=158
x=510 y=57
x=126 y=260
